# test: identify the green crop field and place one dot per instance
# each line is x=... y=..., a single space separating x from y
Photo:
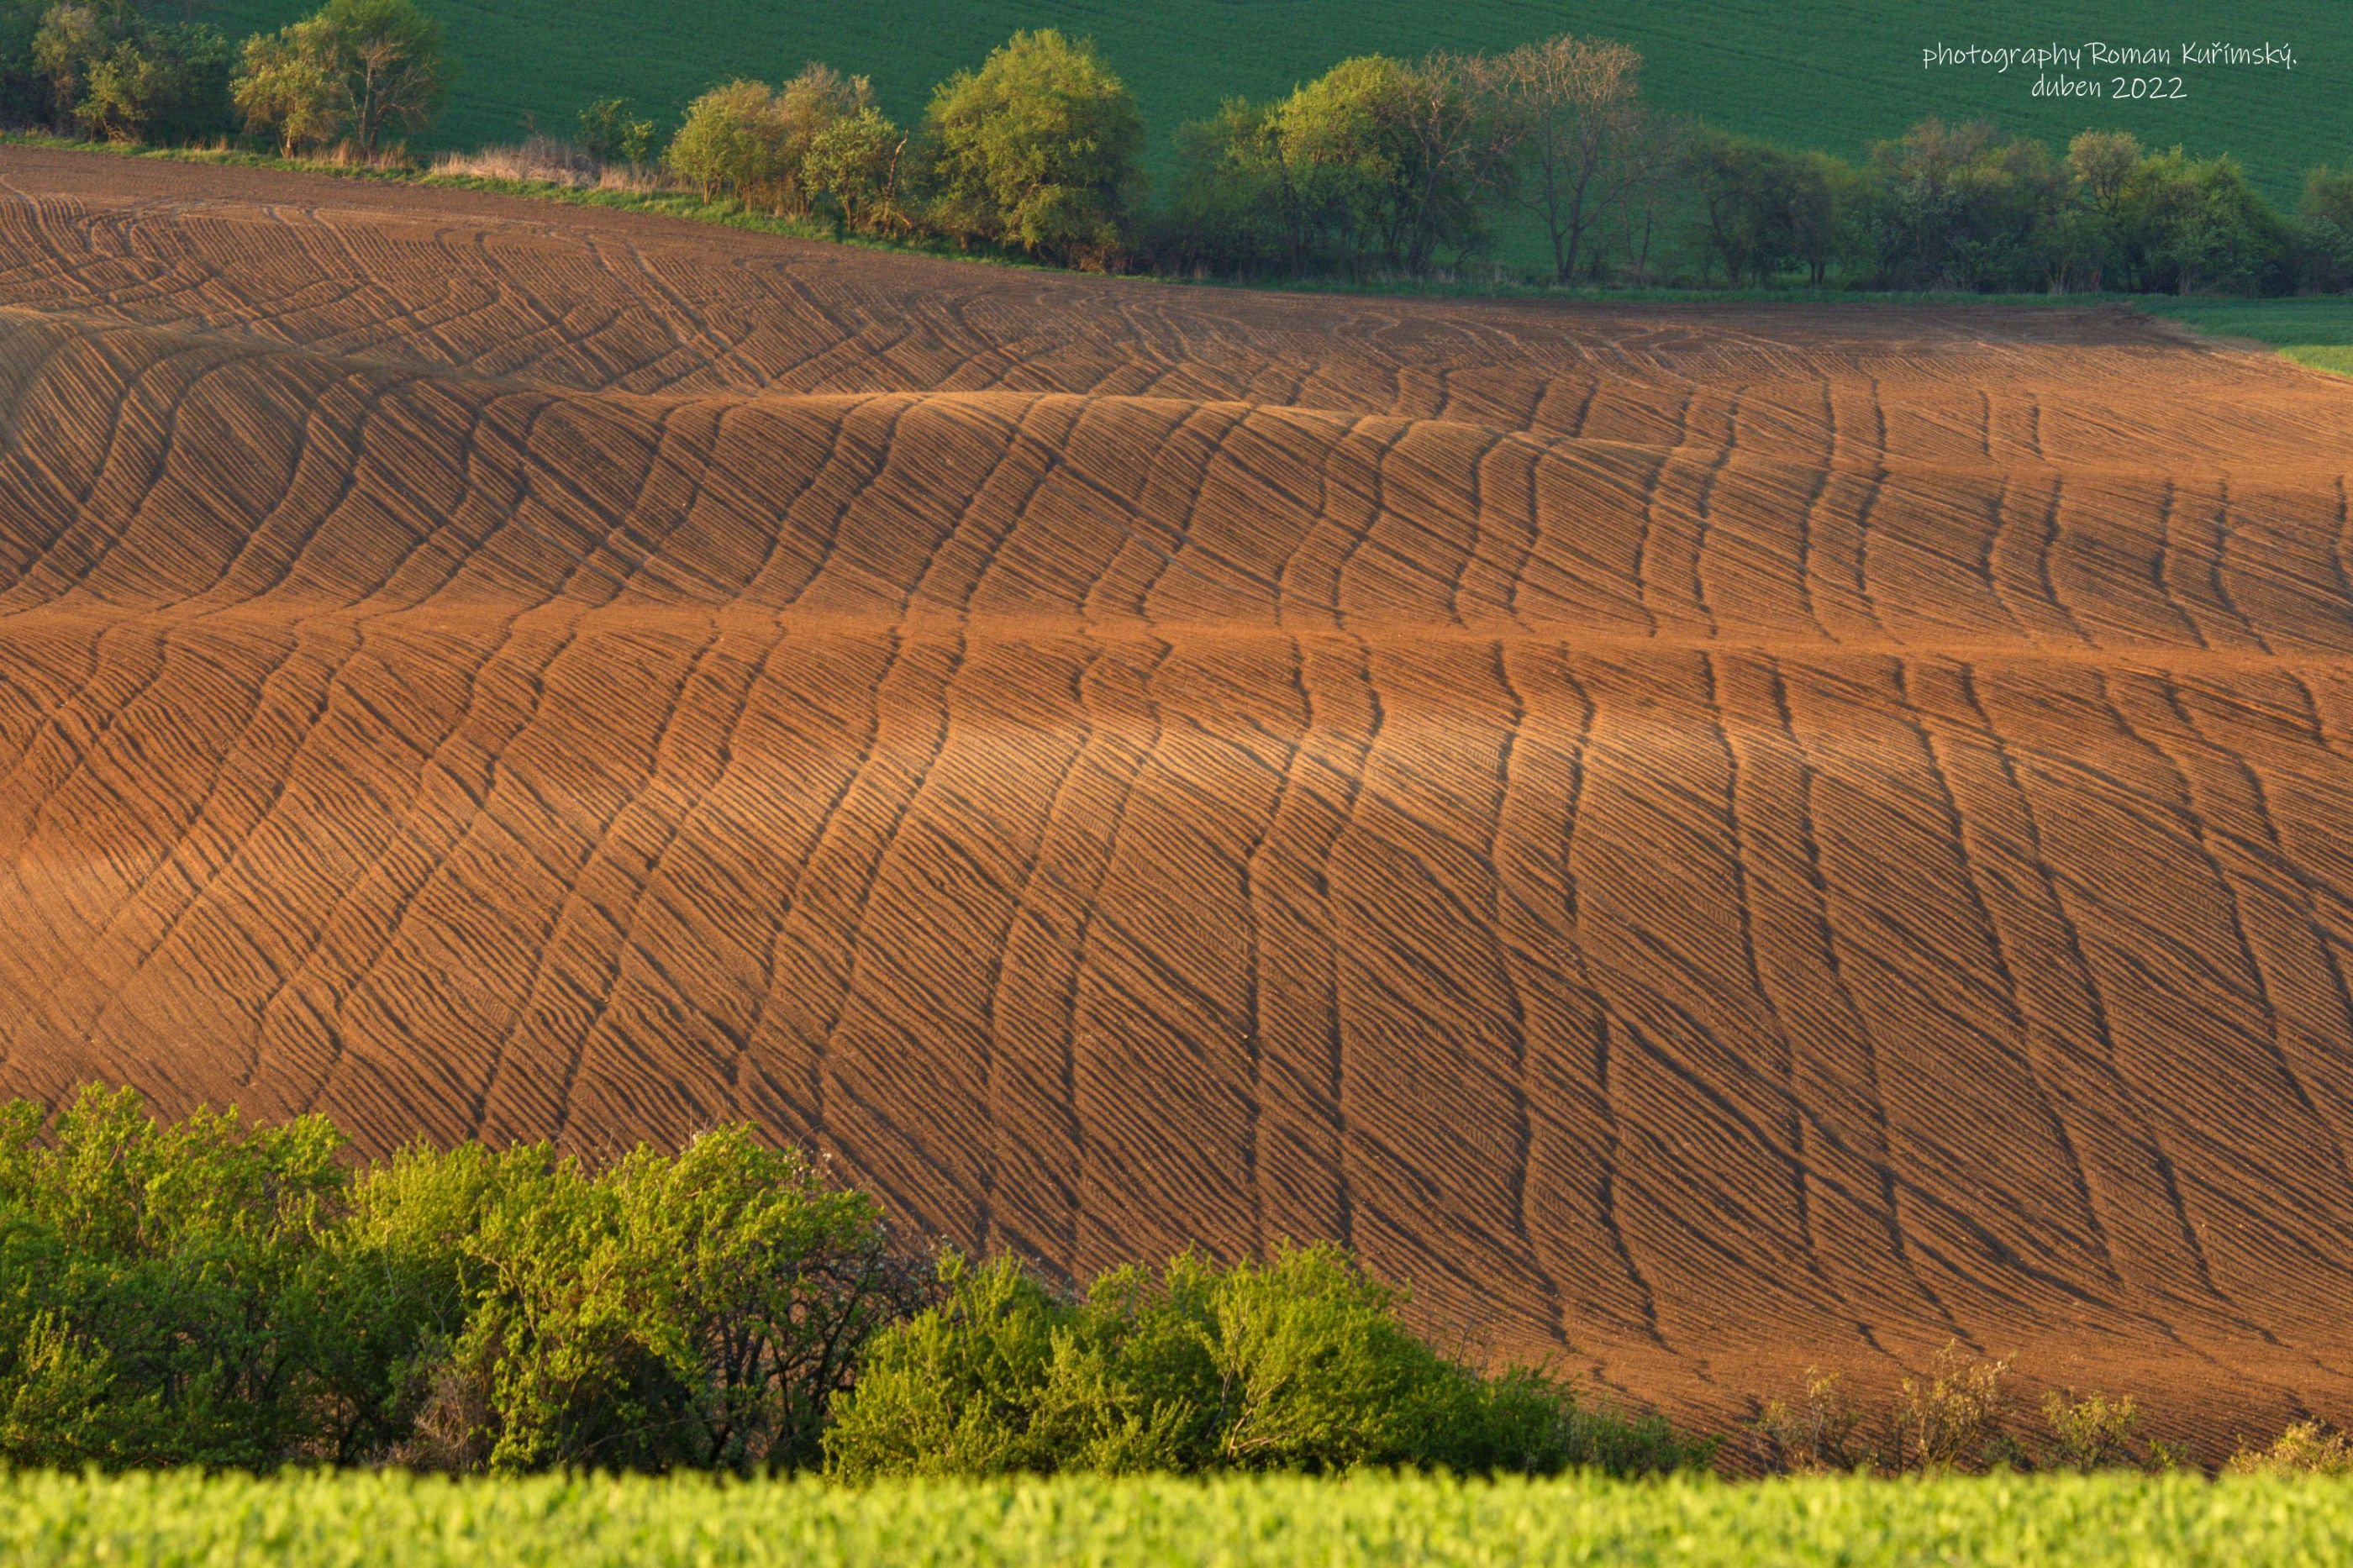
x=302 y=1518
x=2318 y=333
x=1835 y=74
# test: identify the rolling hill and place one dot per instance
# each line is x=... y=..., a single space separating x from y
x=1711 y=839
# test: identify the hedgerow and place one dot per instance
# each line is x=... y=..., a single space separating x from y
x=210 y=1292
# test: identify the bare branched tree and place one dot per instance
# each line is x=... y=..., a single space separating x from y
x=1460 y=140
x=1576 y=102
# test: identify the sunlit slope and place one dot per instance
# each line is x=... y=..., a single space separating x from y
x=1709 y=839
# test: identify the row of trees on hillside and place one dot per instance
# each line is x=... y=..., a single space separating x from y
x=1039 y=150
x=358 y=72
x=1390 y=166
x=1379 y=166
x=1959 y=206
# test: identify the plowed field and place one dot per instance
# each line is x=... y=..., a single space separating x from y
x=1710 y=840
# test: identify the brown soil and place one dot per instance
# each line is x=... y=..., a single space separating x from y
x=1710 y=840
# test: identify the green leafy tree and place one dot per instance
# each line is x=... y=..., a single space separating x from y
x=1741 y=203
x=2196 y=225
x=2326 y=212
x=1956 y=207
x=68 y=45
x=158 y=83
x=2090 y=244
x=24 y=87
x=856 y=162
x=806 y=108
x=360 y=69
x=284 y=91
x=157 y=1280
x=726 y=143
x=1337 y=143
x=1233 y=208
x=700 y=1311
x=1039 y=150
x=1375 y=159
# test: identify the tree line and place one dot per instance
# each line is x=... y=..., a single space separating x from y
x=1377 y=168
x=357 y=73
x=1383 y=167
x=211 y=1293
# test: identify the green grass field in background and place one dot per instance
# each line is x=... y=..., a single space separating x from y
x=1834 y=74
x=2318 y=333
x=303 y=1519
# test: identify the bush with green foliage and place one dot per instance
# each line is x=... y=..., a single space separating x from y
x=725 y=142
x=2195 y=225
x=1375 y=161
x=856 y=162
x=208 y=1292
x=755 y=143
x=609 y=134
x=162 y=1293
x=1302 y=1364
x=167 y=83
x=2306 y=1448
x=699 y=1311
x=1957 y=207
x=1039 y=150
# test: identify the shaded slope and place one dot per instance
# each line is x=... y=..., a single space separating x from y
x=1720 y=839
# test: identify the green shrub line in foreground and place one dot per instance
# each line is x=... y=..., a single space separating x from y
x=213 y=1293
x=347 y=1519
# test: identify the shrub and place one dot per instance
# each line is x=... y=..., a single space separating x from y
x=1039 y=150
x=1234 y=208
x=805 y=108
x=2089 y=1432
x=107 y=69
x=1954 y=207
x=159 y=84
x=609 y=135
x=856 y=161
x=283 y=91
x=212 y=1293
x=698 y=1310
x=1375 y=159
x=2306 y=1448
x=1760 y=210
x=1953 y=1419
x=1302 y=1364
x=726 y=143
x=1819 y=1431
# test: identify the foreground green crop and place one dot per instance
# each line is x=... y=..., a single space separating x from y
x=371 y=1518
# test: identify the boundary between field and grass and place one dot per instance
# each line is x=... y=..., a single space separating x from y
x=2317 y=332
